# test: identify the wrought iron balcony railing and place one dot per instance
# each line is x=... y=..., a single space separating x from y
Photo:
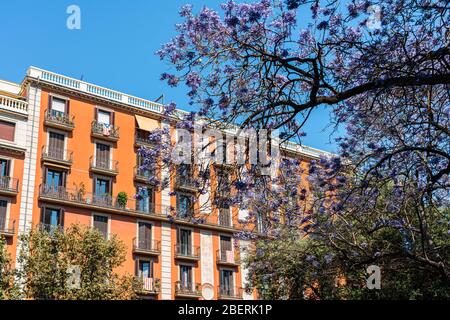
x=148 y=286
x=145 y=246
x=228 y=257
x=57 y=155
x=9 y=185
x=105 y=166
x=59 y=193
x=104 y=131
x=58 y=119
x=187 y=252
x=6 y=229
x=183 y=289
x=227 y=292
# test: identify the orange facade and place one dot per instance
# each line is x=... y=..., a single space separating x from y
x=81 y=153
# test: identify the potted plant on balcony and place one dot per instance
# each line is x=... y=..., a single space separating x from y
x=80 y=192
x=122 y=199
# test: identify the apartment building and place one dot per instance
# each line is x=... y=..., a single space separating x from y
x=14 y=120
x=69 y=154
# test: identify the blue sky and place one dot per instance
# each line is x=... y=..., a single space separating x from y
x=114 y=48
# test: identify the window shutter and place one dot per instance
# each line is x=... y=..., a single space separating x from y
x=7 y=130
x=61 y=217
x=96 y=114
x=113 y=118
x=136 y=267
x=43 y=210
x=8 y=166
x=67 y=106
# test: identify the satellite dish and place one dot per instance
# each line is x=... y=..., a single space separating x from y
x=207 y=291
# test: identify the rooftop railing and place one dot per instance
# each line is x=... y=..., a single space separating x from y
x=14 y=105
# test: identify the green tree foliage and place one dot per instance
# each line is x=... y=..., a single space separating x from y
x=8 y=287
x=77 y=263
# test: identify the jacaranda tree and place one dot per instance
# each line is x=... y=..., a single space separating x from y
x=383 y=70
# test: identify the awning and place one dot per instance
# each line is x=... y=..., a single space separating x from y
x=146 y=124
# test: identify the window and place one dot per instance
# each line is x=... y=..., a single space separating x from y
x=225 y=215
x=184 y=171
x=104 y=117
x=145 y=268
x=4 y=174
x=226 y=282
x=4 y=168
x=102 y=156
x=56 y=145
x=226 y=249
x=3 y=212
x=145 y=236
x=184 y=205
x=145 y=200
x=186 y=277
x=101 y=224
x=102 y=192
x=7 y=130
x=54 y=178
x=58 y=106
x=144 y=172
x=184 y=242
x=52 y=218
x=223 y=183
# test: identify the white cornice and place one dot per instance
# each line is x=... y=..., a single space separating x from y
x=139 y=103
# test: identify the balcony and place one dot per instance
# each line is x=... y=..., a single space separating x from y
x=228 y=258
x=104 y=166
x=59 y=120
x=141 y=139
x=9 y=186
x=223 y=192
x=57 y=156
x=148 y=286
x=147 y=247
x=188 y=253
x=6 y=229
x=105 y=203
x=51 y=229
x=105 y=132
x=229 y=293
x=191 y=290
x=185 y=184
x=142 y=175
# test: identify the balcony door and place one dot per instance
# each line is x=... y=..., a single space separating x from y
x=226 y=282
x=54 y=179
x=56 y=145
x=225 y=215
x=4 y=174
x=146 y=200
x=145 y=236
x=101 y=224
x=102 y=156
x=184 y=205
x=186 y=277
x=184 y=242
x=3 y=209
x=226 y=248
x=58 y=107
x=102 y=192
x=52 y=218
x=104 y=117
